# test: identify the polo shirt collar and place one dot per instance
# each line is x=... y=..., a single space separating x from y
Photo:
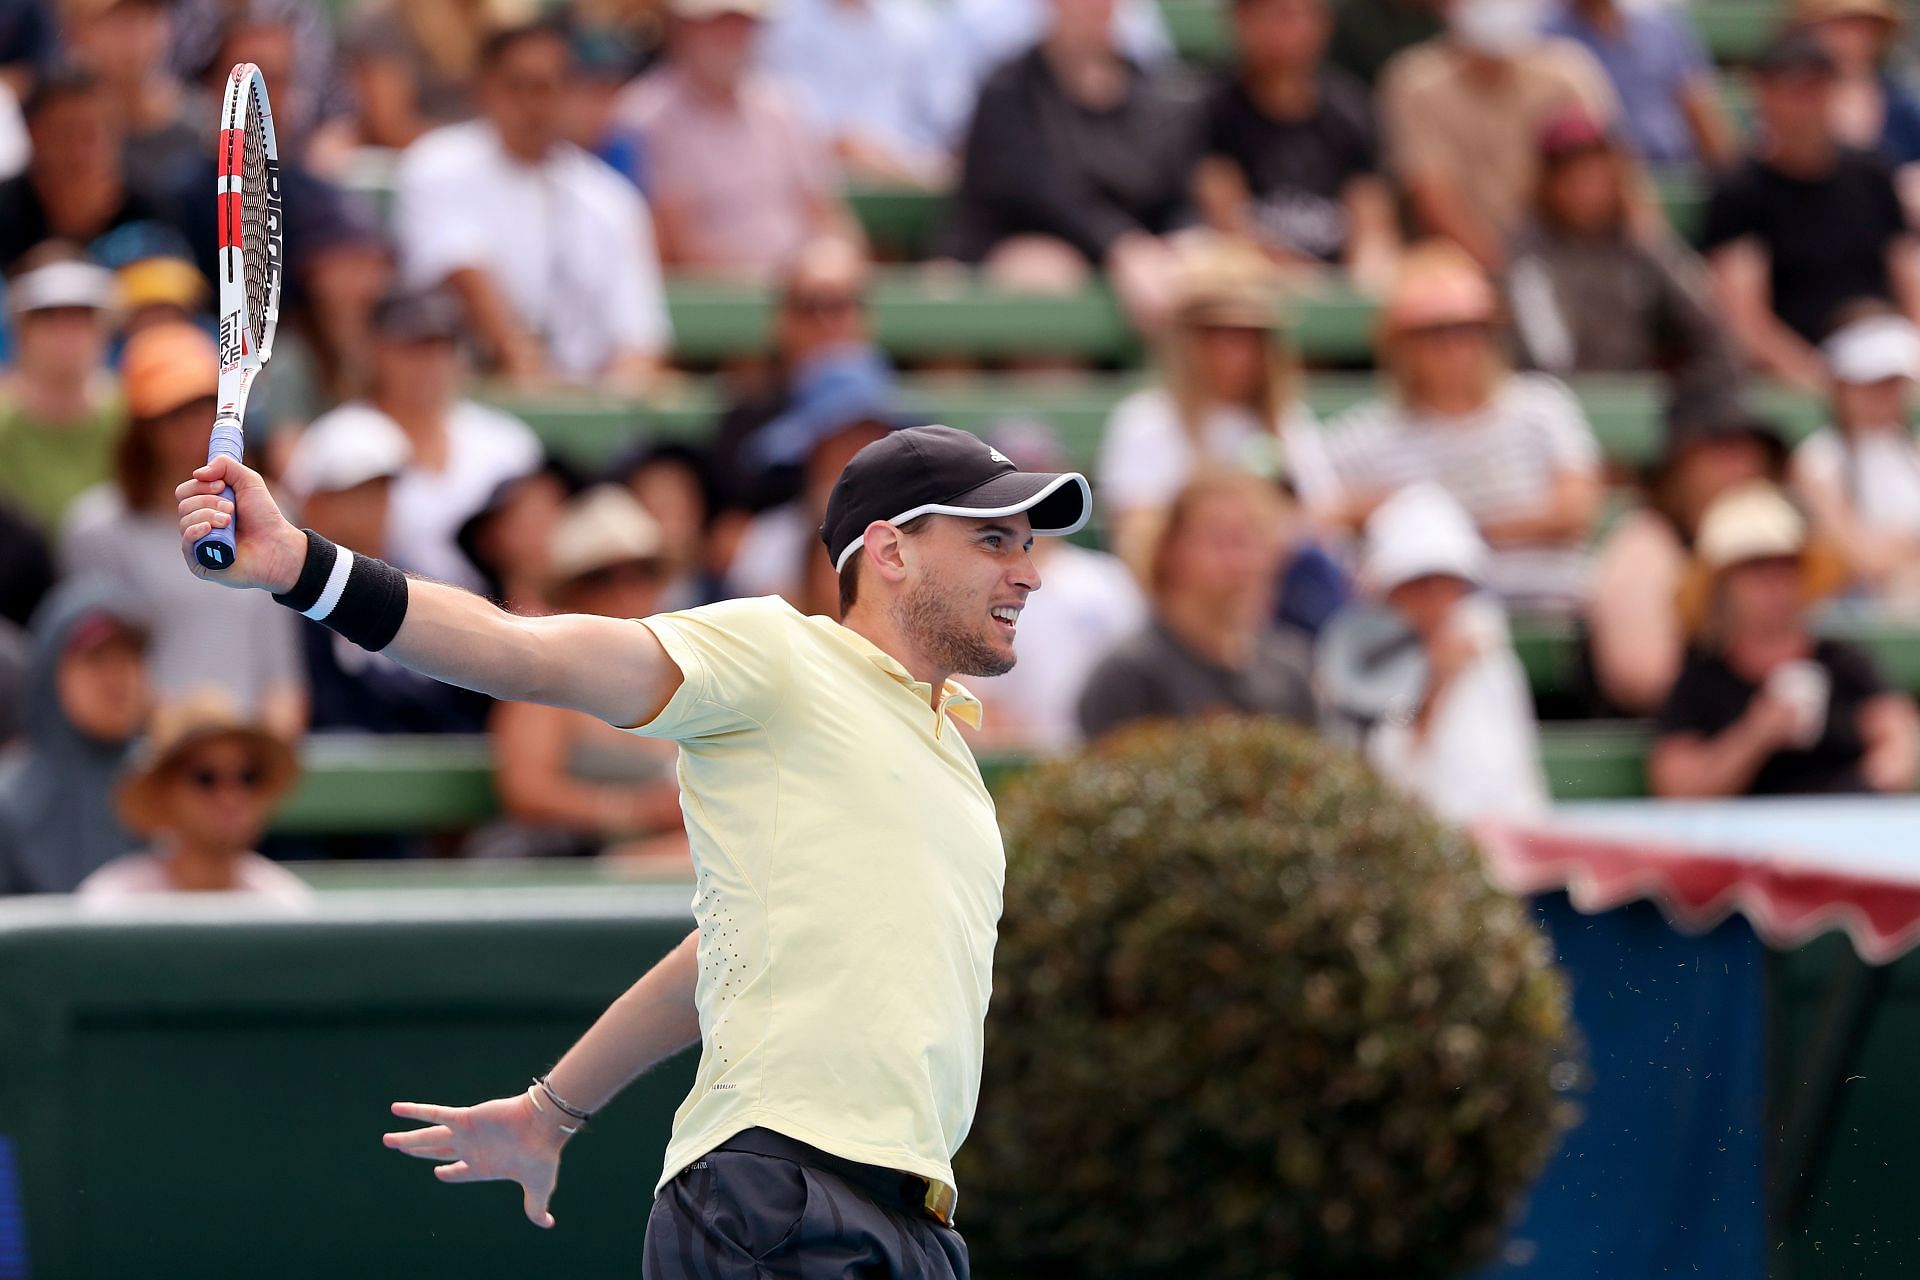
x=955 y=698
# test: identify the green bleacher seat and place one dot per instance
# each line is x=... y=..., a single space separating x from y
x=1625 y=411
x=357 y=784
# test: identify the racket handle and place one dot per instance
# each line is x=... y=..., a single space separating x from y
x=215 y=551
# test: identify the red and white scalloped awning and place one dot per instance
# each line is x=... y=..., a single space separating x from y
x=1793 y=868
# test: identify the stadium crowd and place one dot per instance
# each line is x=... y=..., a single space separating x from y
x=488 y=203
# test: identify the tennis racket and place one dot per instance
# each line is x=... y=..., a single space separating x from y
x=248 y=203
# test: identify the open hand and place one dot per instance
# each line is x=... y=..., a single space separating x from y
x=505 y=1140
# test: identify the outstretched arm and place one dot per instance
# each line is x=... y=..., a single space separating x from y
x=608 y=667
x=518 y=1138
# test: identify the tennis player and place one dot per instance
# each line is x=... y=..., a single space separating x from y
x=849 y=864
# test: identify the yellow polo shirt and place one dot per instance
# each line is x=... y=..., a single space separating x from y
x=849 y=878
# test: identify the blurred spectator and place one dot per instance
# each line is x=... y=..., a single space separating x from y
x=200 y=793
x=15 y=658
x=1513 y=449
x=26 y=566
x=738 y=182
x=1368 y=33
x=1859 y=476
x=129 y=531
x=161 y=288
x=820 y=321
x=551 y=250
x=1713 y=444
x=1462 y=116
x=28 y=42
x=506 y=539
x=1803 y=224
x=780 y=546
x=1871 y=110
x=1077 y=158
x=572 y=783
x=461 y=450
x=74 y=188
x=341 y=472
x=86 y=700
x=1089 y=604
x=15 y=146
x=60 y=410
x=323 y=349
x=412 y=64
x=1587 y=294
x=981 y=36
x=290 y=40
x=1211 y=645
x=1227 y=397
x=1470 y=750
x=1671 y=112
x=1292 y=157
x=868 y=74
x=675 y=483
x=1763 y=706
x=123 y=43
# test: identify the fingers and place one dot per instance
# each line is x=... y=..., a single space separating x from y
x=536 y=1207
x=427 y=1111
x=458 y=1171
x=432 y=1142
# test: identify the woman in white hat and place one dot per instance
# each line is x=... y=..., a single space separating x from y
x=1470 y=749
x=201 y=792
x=1860 y=476
x=1763 y=706
x=571 y=784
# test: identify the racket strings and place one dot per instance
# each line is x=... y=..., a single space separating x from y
x=253 y=222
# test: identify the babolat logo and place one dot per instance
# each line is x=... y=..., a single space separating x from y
x=230 y=340
x=273 y=227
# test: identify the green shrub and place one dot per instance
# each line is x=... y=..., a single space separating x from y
x=1254 y=1015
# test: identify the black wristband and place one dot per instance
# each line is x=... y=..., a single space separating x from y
x=362 y=598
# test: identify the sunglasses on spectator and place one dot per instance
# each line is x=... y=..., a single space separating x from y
x=821 y=305
x=1452 y=329
x=205 y=778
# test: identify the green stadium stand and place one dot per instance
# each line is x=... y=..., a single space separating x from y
x=356 y=785
x=1625 y=410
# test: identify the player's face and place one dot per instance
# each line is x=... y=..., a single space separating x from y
x=217 y=795
x=967 y=580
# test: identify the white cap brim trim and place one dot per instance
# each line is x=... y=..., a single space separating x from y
x=985 y=513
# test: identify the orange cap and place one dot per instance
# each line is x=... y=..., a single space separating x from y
x=167 y=366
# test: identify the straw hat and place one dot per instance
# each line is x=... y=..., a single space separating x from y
x=603 y=527
x=1230 y=283
x=1753 y=522
x=1810 y=11
x=1438 y=284
x=179 y=726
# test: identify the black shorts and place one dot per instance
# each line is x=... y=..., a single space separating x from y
x=744 y=1215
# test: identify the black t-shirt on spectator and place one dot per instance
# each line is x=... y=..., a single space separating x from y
x=26 y=566
x=1709 y=696
x=1826 y=238
x=1297 y=170
x=1037 y=162
x=23 y=219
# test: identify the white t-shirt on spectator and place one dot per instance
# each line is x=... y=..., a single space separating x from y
x=135 y=875
x=485 y=446
x=568 y=241
x=1878 y=472
x=771 y=557
x=1146 y=455
x=1480 y=756
x=1499 y=462
x=1088 y=602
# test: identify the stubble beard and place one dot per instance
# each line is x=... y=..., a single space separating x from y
x=938 y=627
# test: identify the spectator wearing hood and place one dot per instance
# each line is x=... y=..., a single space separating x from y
x=1470 y=749
x=570 y=783
x=129 y=530
x=86 y=702
x=200 y=792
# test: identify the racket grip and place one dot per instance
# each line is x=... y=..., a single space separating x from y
x=215 y=551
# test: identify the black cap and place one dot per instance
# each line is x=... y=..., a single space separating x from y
x=943 y=471
x=420 y=316
x=1712 y=415
x=1797 y=52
